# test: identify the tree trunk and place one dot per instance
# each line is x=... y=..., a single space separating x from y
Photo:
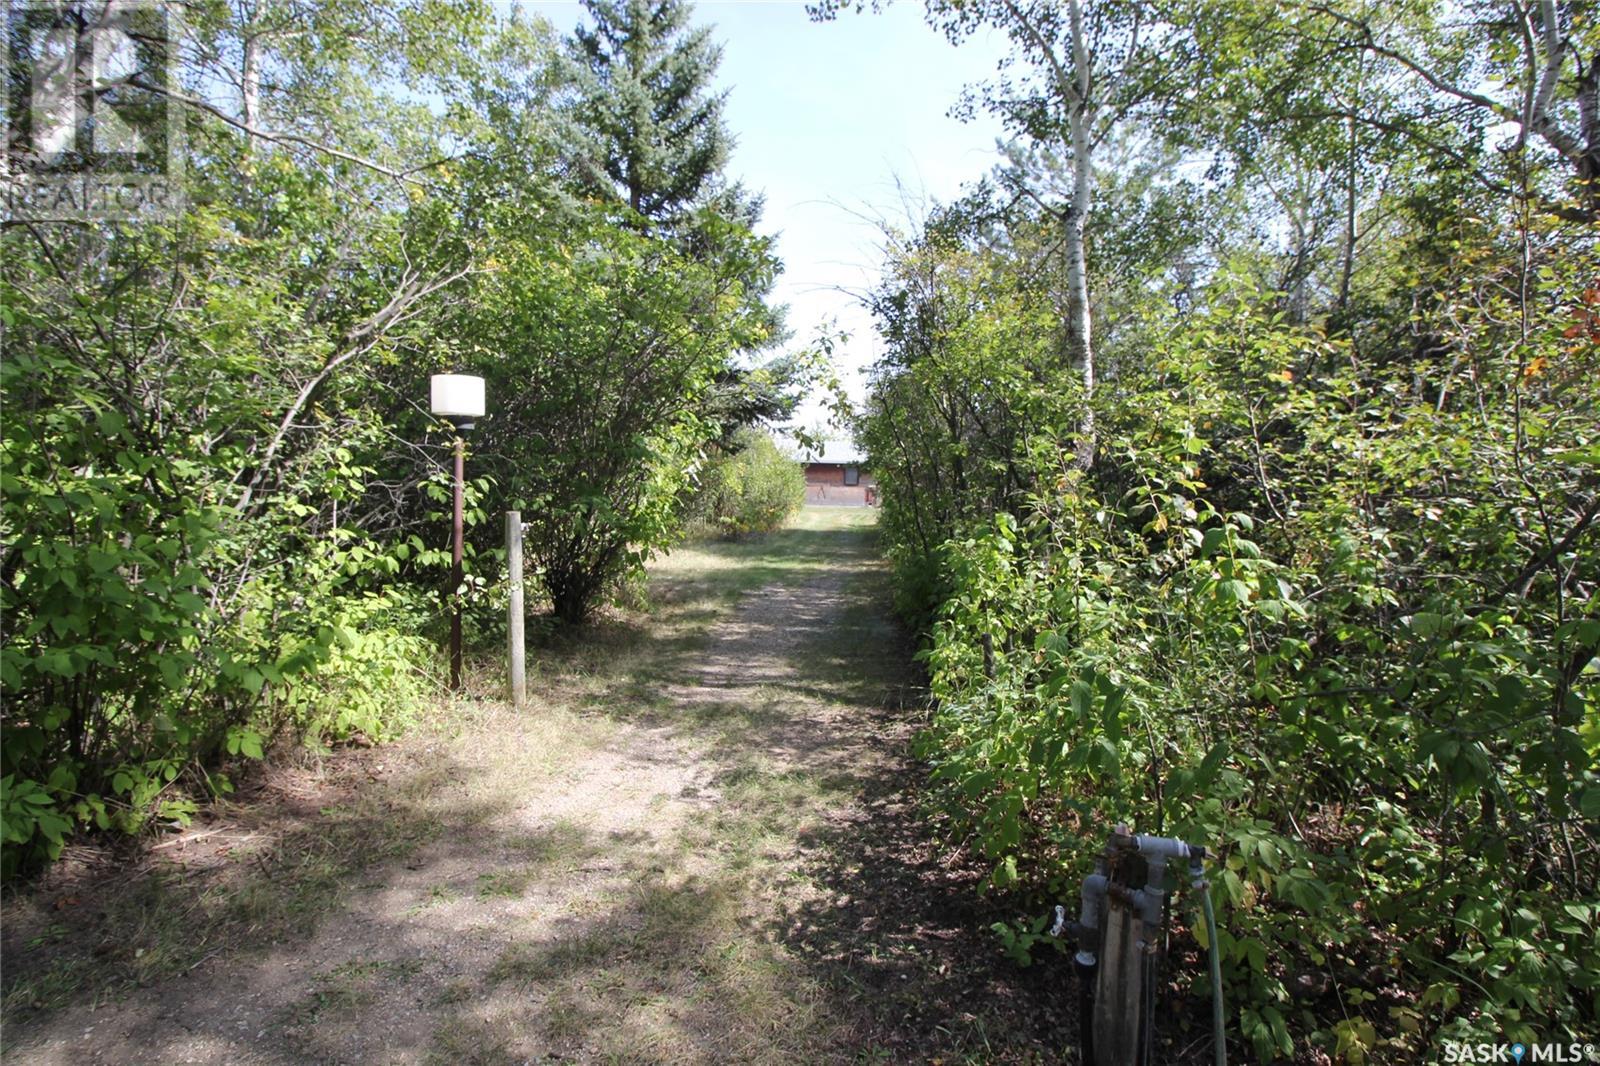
x=571 y=595
x=1348 y=267
x=250 y=85
x=1075 y=88
x=1588 y=93
x=1079 y=326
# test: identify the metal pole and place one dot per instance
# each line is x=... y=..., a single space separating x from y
x=455 y=558
x=515 y=648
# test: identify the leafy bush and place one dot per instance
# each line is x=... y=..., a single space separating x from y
x=179 y=580
x=753 y=489
x=150 y=630
x=607 y=345
x=1333 y=618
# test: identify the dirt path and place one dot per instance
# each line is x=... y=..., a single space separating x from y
x=700 y=845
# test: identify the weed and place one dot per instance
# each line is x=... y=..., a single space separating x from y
x=504 y=884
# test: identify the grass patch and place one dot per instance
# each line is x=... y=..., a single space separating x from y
x=348 y=987
x=467 y=1041
x=719 y=570
x=505 y=884
x=168 y=919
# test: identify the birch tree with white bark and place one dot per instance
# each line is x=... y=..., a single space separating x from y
x=1078 y=72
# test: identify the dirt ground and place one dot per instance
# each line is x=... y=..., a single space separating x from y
x=701 y=842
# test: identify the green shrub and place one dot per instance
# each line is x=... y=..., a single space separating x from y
x=754 y=489
x=1326 y=616
x=153 y=628
x=612 y=343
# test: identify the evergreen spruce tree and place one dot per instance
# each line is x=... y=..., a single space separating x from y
x=647 y=128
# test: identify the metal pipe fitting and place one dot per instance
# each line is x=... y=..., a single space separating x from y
x=1162 y=847
x=1093 y=903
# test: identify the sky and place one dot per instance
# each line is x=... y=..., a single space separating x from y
x=827 y=118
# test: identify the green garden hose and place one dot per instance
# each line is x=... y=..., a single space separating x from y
x=1217 y=1032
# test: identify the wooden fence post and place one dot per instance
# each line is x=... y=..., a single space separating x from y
x=515 y=647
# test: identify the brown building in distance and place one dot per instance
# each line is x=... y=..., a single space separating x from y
x=837 y=477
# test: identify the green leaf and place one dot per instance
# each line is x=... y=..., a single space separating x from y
x=58 y=662
x=173 y=671
x=1211 y=764
x=1081 y=696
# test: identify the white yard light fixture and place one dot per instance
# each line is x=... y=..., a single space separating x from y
x=459 y=398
